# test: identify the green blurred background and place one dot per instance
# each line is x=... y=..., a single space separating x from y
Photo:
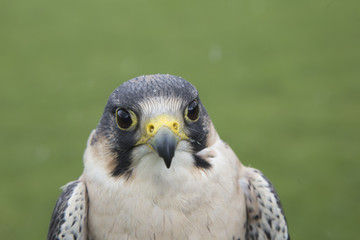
x=280 y=80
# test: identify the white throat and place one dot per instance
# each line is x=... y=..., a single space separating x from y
x=162 y=202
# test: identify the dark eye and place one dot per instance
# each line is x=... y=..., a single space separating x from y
x=125 y=119
x=192 y=111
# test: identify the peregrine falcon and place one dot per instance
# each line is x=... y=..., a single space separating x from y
x=156 y=168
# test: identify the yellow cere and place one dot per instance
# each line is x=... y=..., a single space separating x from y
x=154 y=124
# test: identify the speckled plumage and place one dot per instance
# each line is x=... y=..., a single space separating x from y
x=69 y=219
x=265 y=216
x=206 y=193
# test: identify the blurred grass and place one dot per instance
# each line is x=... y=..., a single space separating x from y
x=280 y=80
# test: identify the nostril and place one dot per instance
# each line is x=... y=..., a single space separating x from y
x=151 y=128
x=175 y=126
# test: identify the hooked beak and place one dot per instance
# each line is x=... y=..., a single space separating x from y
x=165 y=143
x=162 y=134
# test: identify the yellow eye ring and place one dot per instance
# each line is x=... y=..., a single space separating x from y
x=192 y=111
x=125 y=119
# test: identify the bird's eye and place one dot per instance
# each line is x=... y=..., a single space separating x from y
x=125 y=118
x=192 y=111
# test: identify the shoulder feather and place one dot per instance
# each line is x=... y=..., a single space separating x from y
x=265 y=215
x=69 y=218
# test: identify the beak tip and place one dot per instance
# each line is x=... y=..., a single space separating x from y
x=168 y=166
x=167 y=158
x=165 y=145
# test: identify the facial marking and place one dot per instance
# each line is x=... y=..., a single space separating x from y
x=158 y=105
x=161 y=105
x=158 y=112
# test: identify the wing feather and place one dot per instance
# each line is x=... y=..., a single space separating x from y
x=265 y=215
x=69 y=218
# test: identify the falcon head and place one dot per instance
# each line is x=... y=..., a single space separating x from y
x=152 y=122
